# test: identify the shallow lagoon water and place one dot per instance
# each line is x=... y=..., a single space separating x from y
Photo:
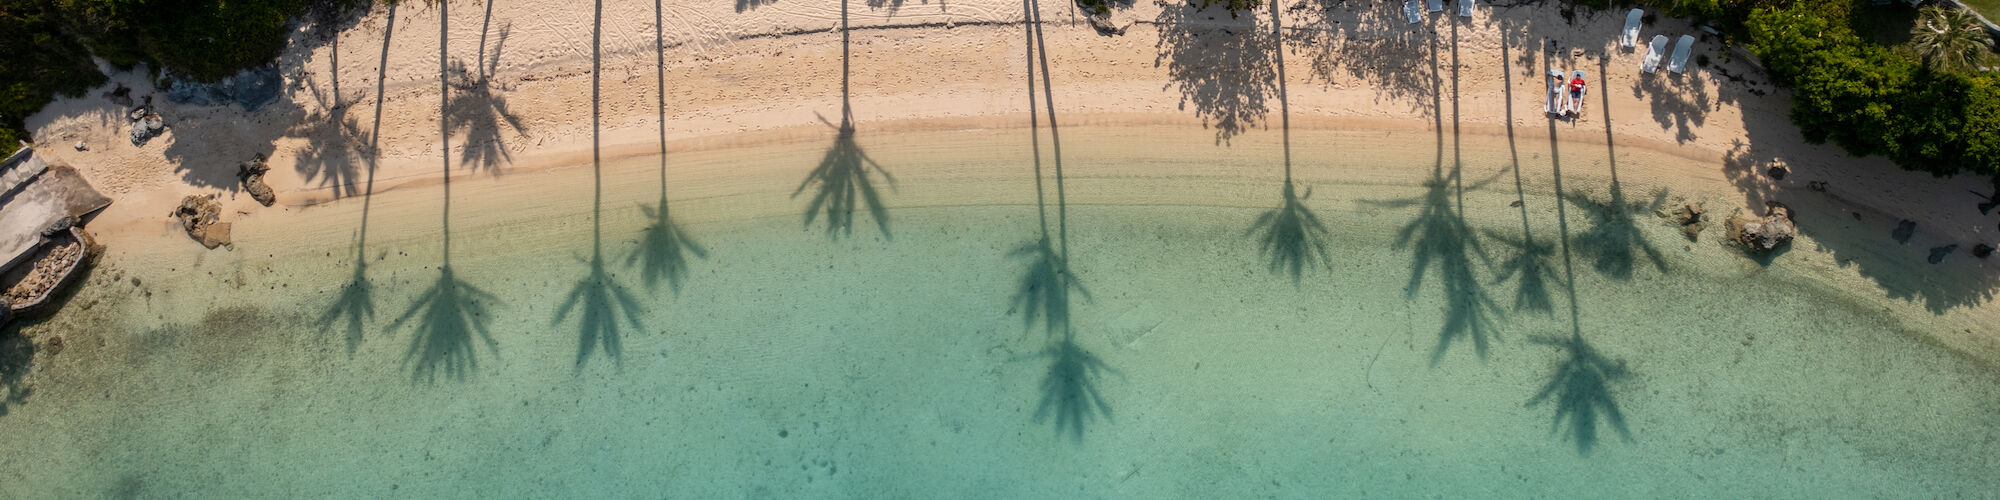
x=918 y=363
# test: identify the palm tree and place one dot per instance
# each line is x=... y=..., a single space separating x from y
x=1948 y=38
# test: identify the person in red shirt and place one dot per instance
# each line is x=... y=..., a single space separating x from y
x=1576 y=87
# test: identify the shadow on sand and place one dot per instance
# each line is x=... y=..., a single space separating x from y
x=1070 y=396
x=842 y=177
x=1221 y=63
x=1441 y=237
x=479 y=108
x=1291 y=237
x=453 y=313
x=355 y=303
x=1581 y=384
x=663 y=247
x=599 y=296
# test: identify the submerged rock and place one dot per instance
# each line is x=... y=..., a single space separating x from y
x=1763 y=234
x=1939 y=253
x=252 y=174
x=1691 y=218
x=1982 y=250
x=1904 y=229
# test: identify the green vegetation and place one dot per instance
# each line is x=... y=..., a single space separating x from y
x=1872 y=79
x=1871 y=99
x=1949 y=39
x=47 y=44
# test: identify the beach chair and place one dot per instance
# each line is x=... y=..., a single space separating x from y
x=1576 y=98
x=1435 y=5
x=1653 y=53
x=1413 y=12
x=1465 y=8
x=1679 y=62
x=1630 y=36
x=1556 y=102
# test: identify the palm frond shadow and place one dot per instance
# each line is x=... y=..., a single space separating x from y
x=1291 y=236
x=1614 y=240
x=355 y=305
x=1069 y=391
x=1221 y=65
x=663 y=249
x=1580 y=387
x=1439 y=236
x=1533 y=264
x=601 y=299
x=479 y=110
x=450 y=317
x=843 y=182
x=1046 y=286
x=333 y=146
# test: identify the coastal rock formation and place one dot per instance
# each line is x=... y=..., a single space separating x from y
x=252 y=174
x=201 y=217
x=145 y=124
x=1763 y=234
x=31 y=284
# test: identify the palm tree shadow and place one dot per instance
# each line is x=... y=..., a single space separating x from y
x=1580 y=389
x=333 y=142
x=479 y=110
x=663 y=249
x=1440 y=236
x=1291 y=236
x=356 y=300
x=450 y=316
x=1614 y=240
x=843 y=182
x=843 y=174
x=1069 y=390
x=1046 y=286
x=1532 y=264
x=355 y=304
x=601 y=299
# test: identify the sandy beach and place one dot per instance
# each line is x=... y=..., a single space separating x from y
x=521 y=76
x=541 y=131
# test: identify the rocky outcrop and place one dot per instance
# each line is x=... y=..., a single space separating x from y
x=252 y=174
x=1763 y=234
x=201 y=217
x=145 y=124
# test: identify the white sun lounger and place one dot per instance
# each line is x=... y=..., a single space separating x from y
x=1413 y=12
x=1679 y=62
x=1436 y=5
x=1556 y=102
x=1465 y=8
x=1630 y=36
x=1653 y=53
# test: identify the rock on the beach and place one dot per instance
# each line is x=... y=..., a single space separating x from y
x=1763 y=234
x=201 y=217
x=252 y=174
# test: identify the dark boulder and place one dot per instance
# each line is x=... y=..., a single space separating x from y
x=1763 y=234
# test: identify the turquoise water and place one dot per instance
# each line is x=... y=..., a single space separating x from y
x=1419 y=351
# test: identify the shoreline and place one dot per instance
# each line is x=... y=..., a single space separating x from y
x=735 y=82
